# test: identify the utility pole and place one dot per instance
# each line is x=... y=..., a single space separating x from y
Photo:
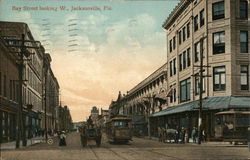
x=201 y=76
x=200 y=92
x=20 y=128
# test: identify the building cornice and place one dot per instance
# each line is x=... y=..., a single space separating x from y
x=156 y=74
x=176 y=13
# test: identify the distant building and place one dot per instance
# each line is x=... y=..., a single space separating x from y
x=77 y=125
x=94 y=115
x=65 y=119
x=103 y=117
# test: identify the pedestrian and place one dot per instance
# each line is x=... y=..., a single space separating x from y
x=177 y=134
x=203 y=136
x=163 y=130
x=248 y=138
x=186 y=135
x=62 y=141
x=182 y=135
x=159 y=134
x=193 y=134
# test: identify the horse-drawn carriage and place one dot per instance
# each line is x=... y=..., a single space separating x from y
x=90 y=133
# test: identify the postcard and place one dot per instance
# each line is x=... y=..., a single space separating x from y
x=124 y=79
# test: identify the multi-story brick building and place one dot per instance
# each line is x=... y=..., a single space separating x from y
x=51 y=96
x=32 y=74
x=225 y=27
x=8 y=92
x=33 y=83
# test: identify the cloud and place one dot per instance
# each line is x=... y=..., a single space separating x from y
x=94 y=75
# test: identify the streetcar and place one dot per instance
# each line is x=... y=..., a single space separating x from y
x=119 y=129
x=231 y=126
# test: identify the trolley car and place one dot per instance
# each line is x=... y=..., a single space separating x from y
x=231 y=126
x=119 y=129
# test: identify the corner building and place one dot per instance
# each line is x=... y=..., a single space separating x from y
x=225 y=26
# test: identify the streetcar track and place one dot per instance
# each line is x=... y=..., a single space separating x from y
x=158 y=153
x=115 y=153
x=91 y=148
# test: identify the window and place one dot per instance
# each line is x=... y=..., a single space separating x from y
x=11 y=97
x=173 y=95
x=202 y=18
x=188 y=57
x=170 y=45
x=244 y=81
x=219 y=77
x=243 y=9
x=174 y=66
x=218 y=10
x=196 y=25
x=185 y=90
x=188 y=30
x=171 y=68
x=174 y=43
x=184 y=33
x=184 y=60
x=219 y=42
x=4 y=86
x=180 y=62
x=243 y=41
x=197 y=84
x=179 y=37
x=196 y=51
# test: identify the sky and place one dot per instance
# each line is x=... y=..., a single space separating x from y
x=98 y=47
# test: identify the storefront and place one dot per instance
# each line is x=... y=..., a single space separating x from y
x=186 y=115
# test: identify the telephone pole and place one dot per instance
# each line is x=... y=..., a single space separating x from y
x=201 y=91
x=19 y=132
x=201 y=76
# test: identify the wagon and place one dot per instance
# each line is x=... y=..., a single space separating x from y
x=88 y=134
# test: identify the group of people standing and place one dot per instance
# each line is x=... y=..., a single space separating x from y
x=179 y=135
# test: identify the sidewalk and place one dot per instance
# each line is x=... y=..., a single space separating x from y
x=12 y=145
x=209 y=143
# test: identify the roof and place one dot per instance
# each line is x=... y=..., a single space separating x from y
x=212 y=103
x=120 y=117
x=156 y=74
x=176 y=13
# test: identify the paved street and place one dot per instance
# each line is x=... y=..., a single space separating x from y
x=138 y=149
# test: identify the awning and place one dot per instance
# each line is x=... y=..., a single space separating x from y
x=212 y=103
x=175 y=109
x=233 y=112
